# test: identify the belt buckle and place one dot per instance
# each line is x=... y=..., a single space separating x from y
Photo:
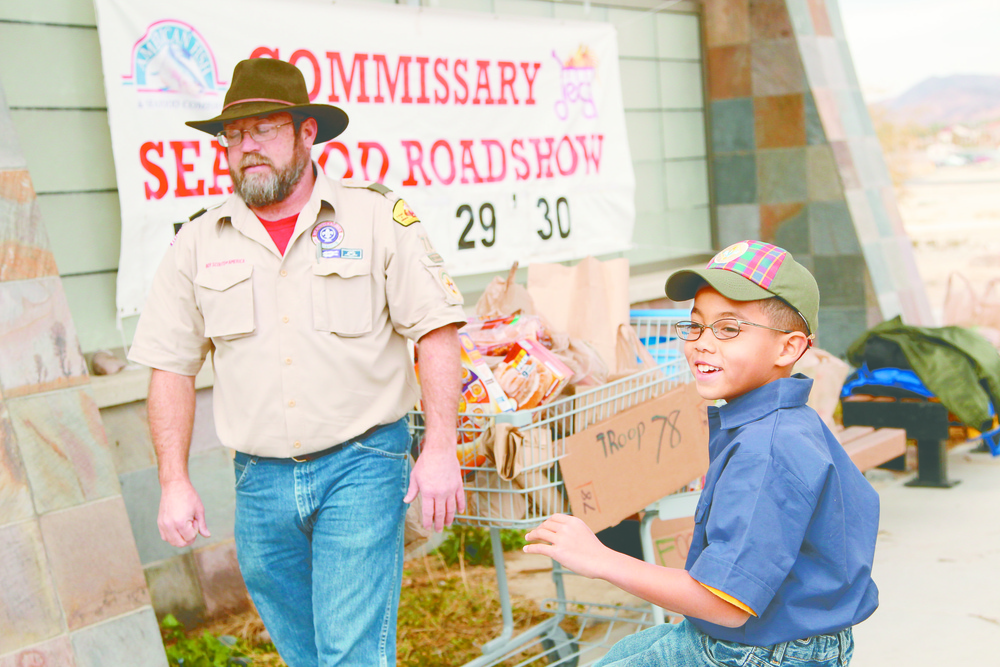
x=304 y=459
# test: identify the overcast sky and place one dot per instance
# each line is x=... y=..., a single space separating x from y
x=898 y=43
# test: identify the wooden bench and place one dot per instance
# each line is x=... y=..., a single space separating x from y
x=870 y=447
x=925 y=421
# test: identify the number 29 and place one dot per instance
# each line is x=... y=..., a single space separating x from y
x=490 y=227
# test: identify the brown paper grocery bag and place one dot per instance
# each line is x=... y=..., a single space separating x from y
x=588 y=301
x=491 y=498
x=526 y=459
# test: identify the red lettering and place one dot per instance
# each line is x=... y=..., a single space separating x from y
x=325 y=155
x=531 y=80
x=441 y=99
x=218 y=170
x=154 y=169
x=423 y=99
x=390 y=82
x=566 y=141
x=508 y=73
x=543 y=158
x=490 y=144
x=469 y=163
x=596 y=155
x=521 y=175
x=264 y=52
x=451 y=161
x=365 y=147
x=483 y=82
x=357 y=65
x=317 y=78
x=414 y=161
x=182 y=190
x=465 y=86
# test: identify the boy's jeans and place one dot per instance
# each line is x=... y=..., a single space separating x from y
x=320 y=546
x=684 y=645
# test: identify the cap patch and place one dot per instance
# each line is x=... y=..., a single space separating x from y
x=756 y=261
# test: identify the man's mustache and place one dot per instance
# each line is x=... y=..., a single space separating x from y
x=253 y=160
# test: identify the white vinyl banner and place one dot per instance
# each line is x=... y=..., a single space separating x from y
x=506 y=136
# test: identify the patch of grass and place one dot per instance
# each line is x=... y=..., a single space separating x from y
x=472 y=545
x=446 y=613
x=200 y=650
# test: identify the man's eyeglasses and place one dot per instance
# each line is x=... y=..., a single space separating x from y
x=724 y=329
x=260 y=133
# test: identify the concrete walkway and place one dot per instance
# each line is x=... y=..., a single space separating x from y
x=937 y=566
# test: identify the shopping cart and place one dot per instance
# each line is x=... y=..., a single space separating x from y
x=537 y=492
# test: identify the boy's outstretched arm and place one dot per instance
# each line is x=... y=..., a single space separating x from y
x=569 y=541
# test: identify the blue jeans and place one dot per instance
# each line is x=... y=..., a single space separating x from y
x=320 y=546
x=684 y=645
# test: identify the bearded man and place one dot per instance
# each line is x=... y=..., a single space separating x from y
x=306 y=290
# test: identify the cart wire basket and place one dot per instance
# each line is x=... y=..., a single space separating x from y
x=525 y=487
x=528 y=488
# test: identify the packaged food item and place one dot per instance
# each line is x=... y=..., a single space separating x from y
x=496 y=337
x=531 y=375
x=478 y=378
x=481 y=397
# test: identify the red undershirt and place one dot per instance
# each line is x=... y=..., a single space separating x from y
x=280 y=230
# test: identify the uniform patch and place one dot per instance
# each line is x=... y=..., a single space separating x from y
x=403 y=214
x=432 y=259
x=449 y=287
x=328 y=234
x=341 y=253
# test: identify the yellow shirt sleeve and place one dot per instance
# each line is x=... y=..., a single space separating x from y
x=730 y=599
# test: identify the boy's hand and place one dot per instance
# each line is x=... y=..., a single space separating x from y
x=569 y=541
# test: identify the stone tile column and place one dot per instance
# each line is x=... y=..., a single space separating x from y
x=795 y=160
x=72 y=591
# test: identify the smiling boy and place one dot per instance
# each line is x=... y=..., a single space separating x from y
x=779 y=568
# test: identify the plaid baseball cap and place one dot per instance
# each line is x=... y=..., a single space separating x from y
x=752 y=271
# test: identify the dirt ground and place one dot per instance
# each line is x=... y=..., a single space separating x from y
x=952 y=215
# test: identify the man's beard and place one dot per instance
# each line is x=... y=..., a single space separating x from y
x=264 y=189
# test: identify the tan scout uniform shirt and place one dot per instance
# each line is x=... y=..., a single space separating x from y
x=309 y=351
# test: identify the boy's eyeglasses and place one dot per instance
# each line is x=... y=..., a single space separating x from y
x=262 y=132
x=724 y=329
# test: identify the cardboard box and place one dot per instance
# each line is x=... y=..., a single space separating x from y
x=618 y=466
x=672 y=541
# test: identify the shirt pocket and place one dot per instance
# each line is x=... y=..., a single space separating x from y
x=342 y=297
x=225 y=294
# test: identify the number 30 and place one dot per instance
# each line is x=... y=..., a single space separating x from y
x=561 y=204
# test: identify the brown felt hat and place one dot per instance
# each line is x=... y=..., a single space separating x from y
x=262 y=86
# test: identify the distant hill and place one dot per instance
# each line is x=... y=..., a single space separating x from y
x=946 y=100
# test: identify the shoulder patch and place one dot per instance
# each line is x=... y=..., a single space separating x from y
x=197 y=213
x=403 y=214
x=379 y=188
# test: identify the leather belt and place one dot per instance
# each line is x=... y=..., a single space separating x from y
x=312 y=456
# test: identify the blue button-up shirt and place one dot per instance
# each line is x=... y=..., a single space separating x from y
x=786 y=523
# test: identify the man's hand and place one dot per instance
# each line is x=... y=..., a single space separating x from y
x=569 y=541
x=182 y=516
x=437 y=477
